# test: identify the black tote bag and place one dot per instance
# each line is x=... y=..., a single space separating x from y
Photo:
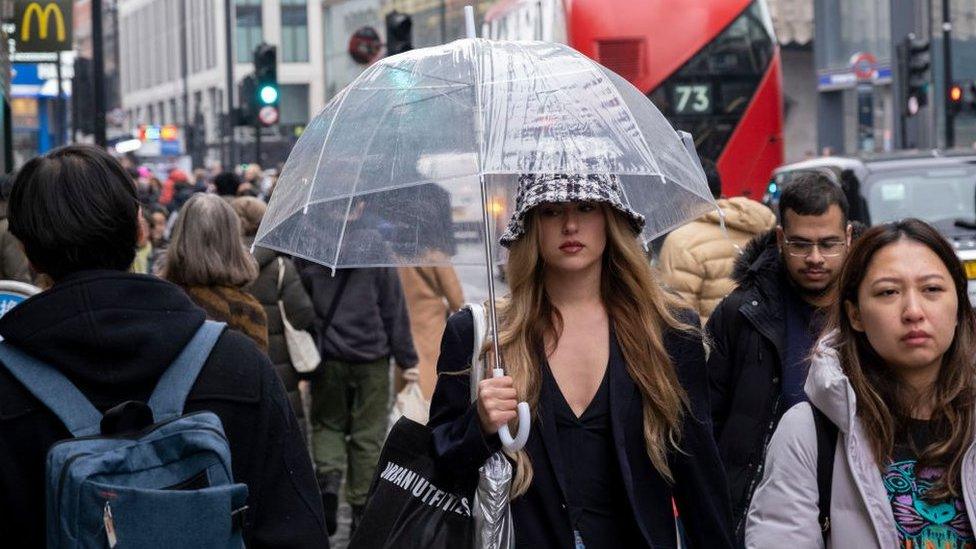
x=410 y=503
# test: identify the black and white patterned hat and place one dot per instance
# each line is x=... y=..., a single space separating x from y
x=535 y=189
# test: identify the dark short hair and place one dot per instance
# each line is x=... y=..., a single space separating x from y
x=75 y=209
x=812 y=193
x=227 y=183
x=713 y=178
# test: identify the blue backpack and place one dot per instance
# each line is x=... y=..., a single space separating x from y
x=168 y=485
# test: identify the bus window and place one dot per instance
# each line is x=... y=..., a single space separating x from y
x=708 y=95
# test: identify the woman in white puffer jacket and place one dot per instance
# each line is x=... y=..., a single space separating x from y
x=896 y=376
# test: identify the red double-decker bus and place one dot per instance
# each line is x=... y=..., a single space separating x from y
x=711 y=66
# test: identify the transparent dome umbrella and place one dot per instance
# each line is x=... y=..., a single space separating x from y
x=416 y=162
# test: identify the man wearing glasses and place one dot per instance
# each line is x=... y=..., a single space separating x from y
x=763 y=331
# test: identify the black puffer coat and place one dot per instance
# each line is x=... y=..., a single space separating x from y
x=745 y=367
x=298 y=308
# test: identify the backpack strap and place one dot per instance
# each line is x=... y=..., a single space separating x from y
x=174 y=385
x=54 y=390
x=826 y=446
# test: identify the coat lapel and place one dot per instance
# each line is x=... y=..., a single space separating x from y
x=623 y=393
x=550 y=439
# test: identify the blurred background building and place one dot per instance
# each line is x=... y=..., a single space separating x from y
x=165 y=65
x=867 y=114
x=313 y=39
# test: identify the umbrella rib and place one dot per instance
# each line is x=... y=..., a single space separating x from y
x=355 y=183
x=630 y=115
x=328 y=133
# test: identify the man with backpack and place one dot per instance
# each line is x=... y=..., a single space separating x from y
x=186 y=435
x=361 y=322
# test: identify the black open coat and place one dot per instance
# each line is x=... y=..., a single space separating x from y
x=745 y=366
x=541 y=517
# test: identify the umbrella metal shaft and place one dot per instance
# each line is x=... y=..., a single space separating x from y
x=490 y=269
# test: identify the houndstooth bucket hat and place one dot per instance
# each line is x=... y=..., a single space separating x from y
x=535 y=189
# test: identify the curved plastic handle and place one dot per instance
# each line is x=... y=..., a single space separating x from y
x=525 y=419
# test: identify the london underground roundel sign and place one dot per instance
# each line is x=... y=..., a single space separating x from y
x=864 y=66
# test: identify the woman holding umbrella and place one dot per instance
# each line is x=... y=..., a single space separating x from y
x=613 y=369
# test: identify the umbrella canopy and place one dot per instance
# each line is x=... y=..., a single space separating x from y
x=390 y=173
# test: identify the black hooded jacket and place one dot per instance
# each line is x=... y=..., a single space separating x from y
x=745 y=367
x=113 y=334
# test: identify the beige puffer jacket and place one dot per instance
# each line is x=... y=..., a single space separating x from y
x=697 y=259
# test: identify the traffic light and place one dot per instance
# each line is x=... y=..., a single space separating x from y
x=916 y=61
x=247 y=112
x=399 y=34
x=955 y=102
x=266 y=92
x=82 y=100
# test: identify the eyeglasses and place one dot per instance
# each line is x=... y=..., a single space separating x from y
x=803 y=248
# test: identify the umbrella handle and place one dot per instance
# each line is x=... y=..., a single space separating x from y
x=525 y=419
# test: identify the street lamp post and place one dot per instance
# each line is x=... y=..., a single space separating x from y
x=950 y=119
x=229 y=125
x=98 y=72
x=184 y=73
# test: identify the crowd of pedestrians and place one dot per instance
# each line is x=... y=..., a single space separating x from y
x=786 y=379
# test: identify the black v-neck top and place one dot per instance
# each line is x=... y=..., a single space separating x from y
x=596 y=498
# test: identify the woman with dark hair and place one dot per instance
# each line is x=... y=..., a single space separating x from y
x=207 y=258
x=894 y=377
x=614 y=371
x=280 y=291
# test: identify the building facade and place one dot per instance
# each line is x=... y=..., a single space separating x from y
x=174 y=64
x=863 y=110
x=794 y=23
x=314 y=63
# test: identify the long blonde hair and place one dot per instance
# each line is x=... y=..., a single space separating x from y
x=640 y=311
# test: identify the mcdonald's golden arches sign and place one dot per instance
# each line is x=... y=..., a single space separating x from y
x=43 y=25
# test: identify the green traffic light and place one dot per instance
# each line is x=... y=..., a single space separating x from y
x=268 y=95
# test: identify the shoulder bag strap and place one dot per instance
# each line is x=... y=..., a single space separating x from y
x=281 y=304
x=826 y=447
x=480 y=331
x=336 y=298
x=174 y=386
x=281 y=275
x=53 y=389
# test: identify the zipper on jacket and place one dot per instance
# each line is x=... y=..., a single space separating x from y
x=109 y=522
x=759 y=467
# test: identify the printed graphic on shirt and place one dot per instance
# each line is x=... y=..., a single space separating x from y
x=923 y=524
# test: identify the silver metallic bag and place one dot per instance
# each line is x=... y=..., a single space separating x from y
x=491 y=511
